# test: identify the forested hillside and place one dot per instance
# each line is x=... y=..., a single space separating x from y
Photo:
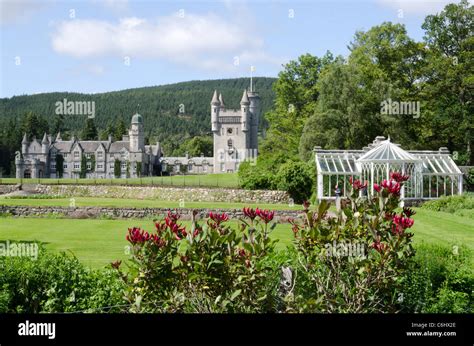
x=172 y=113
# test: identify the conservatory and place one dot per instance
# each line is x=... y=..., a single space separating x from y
x=432 y=173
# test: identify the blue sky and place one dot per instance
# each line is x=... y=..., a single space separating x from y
x=104 y=45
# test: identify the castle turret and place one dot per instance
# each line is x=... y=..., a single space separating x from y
x=24 y=144
x=45 y=144
x=58 y=137
x=255 y=110
x=136 y=134
x=244 y=107
x=215 y=106
x=221 y=101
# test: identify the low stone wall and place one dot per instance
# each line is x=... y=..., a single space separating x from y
x=126 y=213
x=188 y=194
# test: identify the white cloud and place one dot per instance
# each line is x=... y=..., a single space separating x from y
x=417 y=7
x=205 y=41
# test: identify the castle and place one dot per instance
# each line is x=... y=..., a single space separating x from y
x=235 y=135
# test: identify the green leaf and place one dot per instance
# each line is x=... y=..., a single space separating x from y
x=183 y=247
x=235 y=294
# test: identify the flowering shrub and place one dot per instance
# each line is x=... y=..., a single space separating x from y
x=338 y=280
x=210 y=267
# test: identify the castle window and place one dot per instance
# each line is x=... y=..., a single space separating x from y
x=89 y=166
x=229 y=131
x=124 y=165
x=88 y=156
x=76 y=154
x=77 y=165
x=100 y=154
x=53 y=165
x=65 y=155
x=65 y=165
x=100 y=166
x=230 y=144
x=190 y=168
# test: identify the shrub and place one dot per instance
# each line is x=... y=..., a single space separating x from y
x=439 y=280
x=56 y=283
x=255 y=177
x=353 y=262
x=297 y=179
x=207 y=268
x=451 y=204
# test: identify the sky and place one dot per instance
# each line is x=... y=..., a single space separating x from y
x=94 y=46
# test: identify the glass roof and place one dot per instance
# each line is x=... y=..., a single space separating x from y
x=387 y=151
x=345 y=162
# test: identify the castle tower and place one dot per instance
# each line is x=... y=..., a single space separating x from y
x=235 y=131
x=24 y=145
x=45 y=145
x=215 y=108
x=136 y=134
x=255 y=110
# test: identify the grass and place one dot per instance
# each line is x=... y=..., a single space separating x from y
x=229 y=180
x=99 y=242
x=136 y=203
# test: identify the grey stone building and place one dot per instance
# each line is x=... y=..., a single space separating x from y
x=235 y=131
x=235 y=140
x=38 y=160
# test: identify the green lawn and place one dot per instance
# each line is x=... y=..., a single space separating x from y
x=206 y=180
x=137 y=203
x=98 y=242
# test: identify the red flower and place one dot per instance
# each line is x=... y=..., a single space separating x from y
x=265 y=215
x=160 y=227
x=250 y=213
x=379 y=246
x=377 y=187
x=137 y=235
x=218 y=218
x=174 y=217
x=399 y=177
x=401 y=223
x=391 y=186
x=357 y=184
x=196 y=231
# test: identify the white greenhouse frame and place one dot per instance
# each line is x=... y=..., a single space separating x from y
x=432 y=173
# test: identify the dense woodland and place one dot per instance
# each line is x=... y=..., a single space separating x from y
x=161 y=107
x=336 y=102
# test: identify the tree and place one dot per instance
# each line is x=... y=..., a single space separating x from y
x=117 y=168
x=296 y=178
x=34 y=125
x=449 y=36
x=120 y=130
x=90 y=131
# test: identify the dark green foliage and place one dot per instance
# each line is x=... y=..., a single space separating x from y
x=460 y=205
x=90 y=131
x=117 y=168
x=83 y=172
x=56 y=283
x=296 y=178
x=59 y=165
x=440 y=280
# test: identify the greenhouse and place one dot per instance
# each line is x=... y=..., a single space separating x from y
x=432 y=173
